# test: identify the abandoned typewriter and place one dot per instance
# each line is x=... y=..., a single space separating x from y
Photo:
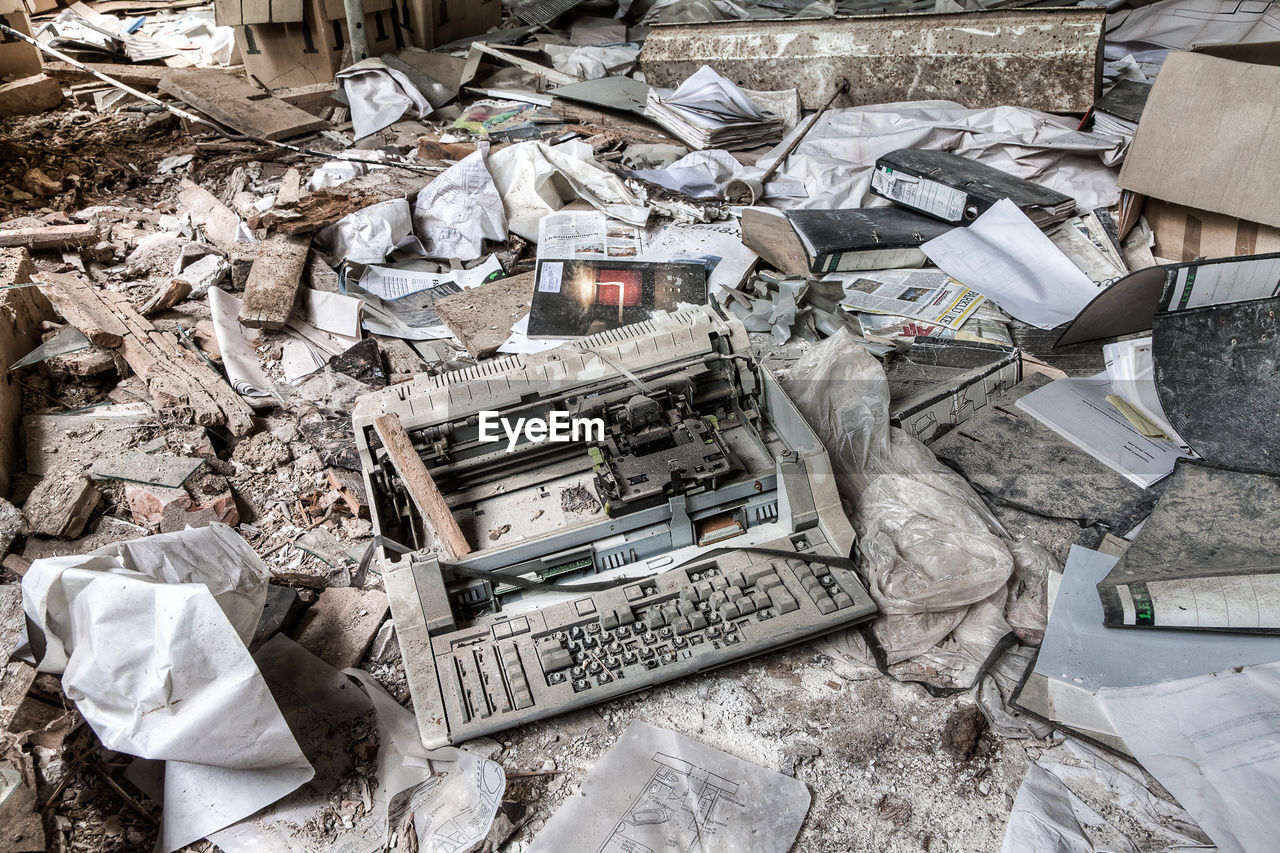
x=563 y=528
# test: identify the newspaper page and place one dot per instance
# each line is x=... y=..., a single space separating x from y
x=928 y=295
x=591 y=235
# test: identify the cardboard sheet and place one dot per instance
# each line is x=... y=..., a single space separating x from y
x=1204 y=136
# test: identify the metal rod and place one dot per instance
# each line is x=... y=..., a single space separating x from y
x=841 y=88
x=200 y=120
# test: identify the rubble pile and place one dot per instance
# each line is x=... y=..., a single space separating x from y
x=932 y=351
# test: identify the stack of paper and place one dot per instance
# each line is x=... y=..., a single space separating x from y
x=709 y=111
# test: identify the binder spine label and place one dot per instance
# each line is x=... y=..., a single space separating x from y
x=919 y=193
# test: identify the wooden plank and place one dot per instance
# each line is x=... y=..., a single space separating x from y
x=417 y=479
x=137 y=76
x=210 y=215
x=310 y=99
x=175 y=376
x=91 y=317
x=238 y=105
x=326 y=206
x=29 y=95
x=16 y=677
x=48 y=237
x=272 y=289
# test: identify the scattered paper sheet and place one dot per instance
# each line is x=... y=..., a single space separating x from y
x=928 y=295
x=658 y=790
x=521 y=344
x=149 y=638
x=1075 y=799
x=1077 y=409
x=410 y=313
x=460 y=209
x=1214 y=742
x=1005 y=257
x=535 y=179
x=391 y=284
x=236 y=344
x=591 y=235
x=450 y=795
x=379 y=96
x=1131 y=372
x=332 y=312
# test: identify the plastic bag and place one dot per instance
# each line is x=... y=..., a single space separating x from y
x=936 y=560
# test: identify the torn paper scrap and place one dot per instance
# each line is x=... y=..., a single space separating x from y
x=1006 y=258
x=236 y=343
x=379 y=96
x=149 y=638
x=658 y=790
x=461 y=209
x=535 y=179
x=450 y=795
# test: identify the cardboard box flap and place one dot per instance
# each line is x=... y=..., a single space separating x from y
x=1208 y=138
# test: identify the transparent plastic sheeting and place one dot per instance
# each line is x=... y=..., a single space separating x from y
x=938 y=563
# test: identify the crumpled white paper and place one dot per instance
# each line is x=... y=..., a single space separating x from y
x=379 y=96
x=460 y=209
x=535 y=179
x=149 y=638
x=369 y=235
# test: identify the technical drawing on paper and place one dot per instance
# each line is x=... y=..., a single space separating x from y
x=682 y=807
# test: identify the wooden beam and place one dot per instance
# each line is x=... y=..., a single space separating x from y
x=417 y=479
x=175 y=376
x=272 y=288
x=238 y=105
x=137 y=76
x=310 y=99
x=48 y=237
x=315 y=210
